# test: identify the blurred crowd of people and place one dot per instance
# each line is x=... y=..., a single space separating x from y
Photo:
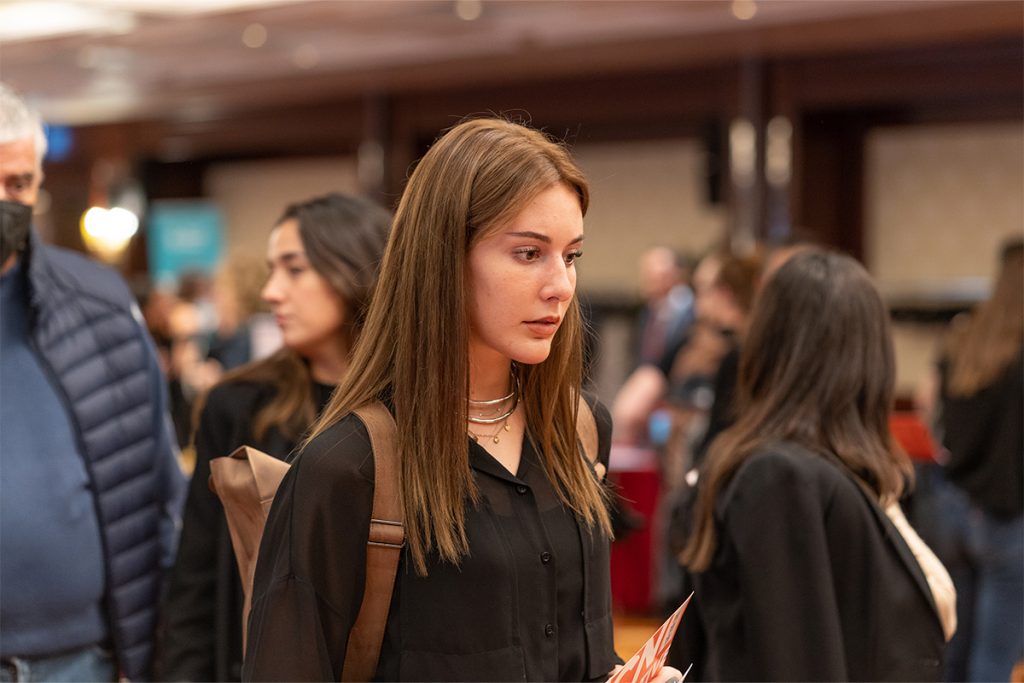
x=204 y=326
x=764 y=380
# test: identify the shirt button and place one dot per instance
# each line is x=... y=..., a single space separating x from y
x=549 y=630
x=521 y=489
x=545 y=557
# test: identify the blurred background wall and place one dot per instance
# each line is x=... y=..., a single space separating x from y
x=253 y=194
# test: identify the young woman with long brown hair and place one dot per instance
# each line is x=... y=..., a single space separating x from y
x=979 y=492
x=323 y=256
x=474 y=341
x=799 y=571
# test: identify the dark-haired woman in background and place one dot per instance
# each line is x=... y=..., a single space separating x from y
x=980 y=525
x=804 y=567
x=323 y=256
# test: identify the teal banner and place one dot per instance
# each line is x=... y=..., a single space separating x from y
x=183 y=236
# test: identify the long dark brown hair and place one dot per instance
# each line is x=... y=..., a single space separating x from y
x=475 y=178
x=343 y=237
x=980 y=347
x=817 y=369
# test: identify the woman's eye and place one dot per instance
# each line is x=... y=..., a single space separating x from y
x=572 y=256
x=295 y=271
x=528 y=254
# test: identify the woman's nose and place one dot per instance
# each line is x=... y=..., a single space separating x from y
x=561 y=283
x=271 y=292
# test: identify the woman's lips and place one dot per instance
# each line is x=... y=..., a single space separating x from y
x=545 y=327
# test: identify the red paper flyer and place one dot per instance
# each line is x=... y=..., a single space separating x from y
x=644 y=666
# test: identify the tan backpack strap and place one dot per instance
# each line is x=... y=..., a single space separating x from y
x=387 y=537
x=586 y=430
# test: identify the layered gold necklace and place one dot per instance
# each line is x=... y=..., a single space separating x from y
x=495 y=411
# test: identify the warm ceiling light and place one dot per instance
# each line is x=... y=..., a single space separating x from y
x=34 y=19
x=744 y=9
x=193 y=6
x=742 y=152
x=778 y=151
x=254 y=35
x=306 y=56
x=469 y=10
x=28 y=20
x=107 y=232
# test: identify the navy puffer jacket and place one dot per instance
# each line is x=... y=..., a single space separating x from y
x=86 y=330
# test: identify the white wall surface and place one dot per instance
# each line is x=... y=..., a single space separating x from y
x=940 y=200
x=253 y=194
x=643 y=194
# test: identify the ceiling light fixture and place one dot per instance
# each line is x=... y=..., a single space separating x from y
x=254 y=36
x=779 y=151
x=33 y=20
x=468 y=10
x=184 y=7
x=107 y=232
x=744 y=10
x=306 y=56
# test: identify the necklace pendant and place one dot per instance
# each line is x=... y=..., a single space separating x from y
x=497 y=439
x=507 y=427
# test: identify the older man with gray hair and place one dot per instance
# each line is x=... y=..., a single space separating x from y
x=90 y=486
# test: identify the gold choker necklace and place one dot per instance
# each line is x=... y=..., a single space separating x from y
x=495 y=401
x=513 y=396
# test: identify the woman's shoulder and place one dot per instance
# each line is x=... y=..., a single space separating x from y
x=230 y=406
x=792 y=456
x=602 y=416
x=340 y=453
x=597 y=407
x=787 y=466
x=603 y=422
x=788 y=482
x=239 y=394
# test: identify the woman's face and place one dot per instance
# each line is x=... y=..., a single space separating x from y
x=718 y=307
x=522 y=278
x=308 y=311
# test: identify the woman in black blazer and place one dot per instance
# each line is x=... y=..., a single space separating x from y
x=804 y=566
x=323 y=256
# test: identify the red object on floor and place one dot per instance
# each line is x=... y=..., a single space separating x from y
x=913 y=435
x=632 y=557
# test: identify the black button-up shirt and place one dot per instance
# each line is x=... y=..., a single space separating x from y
x=531 y=601
x=545 y=550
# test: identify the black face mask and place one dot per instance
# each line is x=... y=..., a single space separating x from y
x=15 y=222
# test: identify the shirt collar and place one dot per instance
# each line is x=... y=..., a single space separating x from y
x=482 y=461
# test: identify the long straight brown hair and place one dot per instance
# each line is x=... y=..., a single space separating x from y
x=343 y=237
x=816 y=369
x=415 y=343
x=981 y=347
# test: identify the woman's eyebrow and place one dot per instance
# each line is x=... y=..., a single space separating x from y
x=537 y=236
x=286 y=258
